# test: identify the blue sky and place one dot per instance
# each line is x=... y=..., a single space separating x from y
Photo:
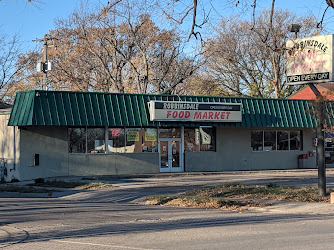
x=33 y=21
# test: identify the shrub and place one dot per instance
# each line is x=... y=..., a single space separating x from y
x=14 y=180
x=39 y=180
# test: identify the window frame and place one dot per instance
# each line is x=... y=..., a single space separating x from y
x=214 y=133
x=141 y=130
x=276 y=142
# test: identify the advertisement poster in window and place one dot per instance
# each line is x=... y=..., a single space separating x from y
x=150 y=135
x=206 y=138
x=197 y=136
x=132 y=136
x=115 y=132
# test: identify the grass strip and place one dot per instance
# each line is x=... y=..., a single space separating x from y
x=266 y=192
x=72 y=184
x=23 y=189
x=237 y=196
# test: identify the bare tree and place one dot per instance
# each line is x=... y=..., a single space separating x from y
x=246 y=60
x=118 y=49
x=9 y=53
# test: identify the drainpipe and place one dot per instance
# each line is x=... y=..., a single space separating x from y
x=14 y=149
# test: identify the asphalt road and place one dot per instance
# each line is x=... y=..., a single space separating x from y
x=114 y=219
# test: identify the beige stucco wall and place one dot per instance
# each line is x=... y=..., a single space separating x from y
x=51 y=143
x=9 y=146
x=234 y=152
x=113 y=164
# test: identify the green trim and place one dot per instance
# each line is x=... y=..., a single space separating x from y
x=65 y=108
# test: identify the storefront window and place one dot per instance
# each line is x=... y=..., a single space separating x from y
x=77 y=140
x=96 y=140
x=169 y=133
x=257 y=140
x=207 y=139
x=295 y=140
x=191 y=139
x=133 y=140
x=329 y=148
x=282 y=140
x=269 y=140
x=120 y=140
x=116 y=140
x=199 y=139
x=276 y=140
x=149 y=140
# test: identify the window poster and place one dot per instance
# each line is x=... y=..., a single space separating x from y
x=132 y=136
x=115 y=132
x=150 y=135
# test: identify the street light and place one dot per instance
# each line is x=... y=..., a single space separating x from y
x=294 y=28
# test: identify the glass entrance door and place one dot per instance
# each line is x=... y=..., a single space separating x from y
x=170 y=155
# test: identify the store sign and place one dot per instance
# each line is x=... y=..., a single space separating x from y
x=310 y=60
x=195 y=111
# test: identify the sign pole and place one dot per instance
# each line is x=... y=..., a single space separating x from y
x=309 y=61
x=321 y=143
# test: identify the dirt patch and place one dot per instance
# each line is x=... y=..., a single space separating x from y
x=237 y=197
x=268 y=192
x=73 y=184
x=23 y=189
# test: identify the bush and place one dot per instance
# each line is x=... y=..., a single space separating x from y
x=272 y=185
x=14 y=180
x=39 y=180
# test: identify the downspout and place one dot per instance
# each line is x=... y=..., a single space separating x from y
x=14 y=149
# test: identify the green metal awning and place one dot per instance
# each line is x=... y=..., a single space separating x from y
x=65 y=108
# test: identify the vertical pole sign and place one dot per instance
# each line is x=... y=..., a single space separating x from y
x=309 y=61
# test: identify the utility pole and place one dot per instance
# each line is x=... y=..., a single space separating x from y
x=45 y=65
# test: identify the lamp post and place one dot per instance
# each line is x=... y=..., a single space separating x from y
x=320 y=123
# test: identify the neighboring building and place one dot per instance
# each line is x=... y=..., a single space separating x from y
x=50 y=133
x=306 y=93
x=327 y=90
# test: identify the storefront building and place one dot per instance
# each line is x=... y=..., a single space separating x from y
x=59 y=133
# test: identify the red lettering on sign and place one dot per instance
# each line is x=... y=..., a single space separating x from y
x=197 y=115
